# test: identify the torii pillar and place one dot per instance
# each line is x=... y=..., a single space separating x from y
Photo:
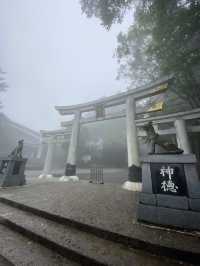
x=47 y=171
x=134 y=182
x=182 y=136
x=40 y=150
x=70 y=169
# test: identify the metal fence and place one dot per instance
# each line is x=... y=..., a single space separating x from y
x=96 y=174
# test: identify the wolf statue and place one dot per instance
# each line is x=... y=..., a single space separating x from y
x=154 y=139
x=17 y=152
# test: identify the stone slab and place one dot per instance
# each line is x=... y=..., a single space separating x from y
x=147 y=198
x=146 y=178
x=193 y=219
x=176 y=202
x=161 y=216
x=188 y=165
x=161 y=183
x=15 y=180
x=183 y=219
x=194 y=204
x=169 y=158
x=193 y=180
x=147 y=213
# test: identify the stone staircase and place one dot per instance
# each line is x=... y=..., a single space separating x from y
x=17 y=249
x=31 y=236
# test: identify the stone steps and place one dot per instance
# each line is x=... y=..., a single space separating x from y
x=158 y=241
x=5 y=262
x=16 y=249
x=75 y=242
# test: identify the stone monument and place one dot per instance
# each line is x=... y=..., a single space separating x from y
x=170 y=188
x=12 y=168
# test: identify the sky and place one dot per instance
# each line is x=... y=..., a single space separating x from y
x=53 y=55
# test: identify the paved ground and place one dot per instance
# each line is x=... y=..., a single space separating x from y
x=106 y=206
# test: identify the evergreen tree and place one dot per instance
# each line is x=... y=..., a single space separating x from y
x=164 y=39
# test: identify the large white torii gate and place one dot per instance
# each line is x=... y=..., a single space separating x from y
x=129 y=98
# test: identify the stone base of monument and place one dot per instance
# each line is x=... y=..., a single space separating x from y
x=170 y=191
x=12 y=173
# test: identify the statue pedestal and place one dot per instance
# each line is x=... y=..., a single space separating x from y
x=12 y=173
x=170 y=191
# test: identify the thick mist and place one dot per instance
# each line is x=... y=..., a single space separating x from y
x=53 y=55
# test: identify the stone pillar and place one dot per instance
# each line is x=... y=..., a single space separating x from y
x=40 y=150
x=182 y=136
x=134 y=168
x=156 y=128
x=71 y=158
x=49 y=158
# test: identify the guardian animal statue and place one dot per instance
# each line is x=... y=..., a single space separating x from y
x=17 y=152
x=12 y=167
x=153 y=139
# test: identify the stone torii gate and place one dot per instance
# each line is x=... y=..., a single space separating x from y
x=129 y=98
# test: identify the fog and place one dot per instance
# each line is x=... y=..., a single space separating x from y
x=53 y=55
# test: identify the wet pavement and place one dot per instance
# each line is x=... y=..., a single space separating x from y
x=20 y=251
x=105 y=206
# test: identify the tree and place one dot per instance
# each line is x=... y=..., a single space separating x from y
x=134 y=63
x=108 y=11
x=163 y=39
x=3 y=84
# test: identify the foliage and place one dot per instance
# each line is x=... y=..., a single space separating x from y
x=163 y=39
x=108 y=11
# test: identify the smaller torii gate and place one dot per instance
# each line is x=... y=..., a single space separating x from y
x=51 y=138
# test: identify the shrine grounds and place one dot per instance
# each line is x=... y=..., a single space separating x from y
x=79 y=223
